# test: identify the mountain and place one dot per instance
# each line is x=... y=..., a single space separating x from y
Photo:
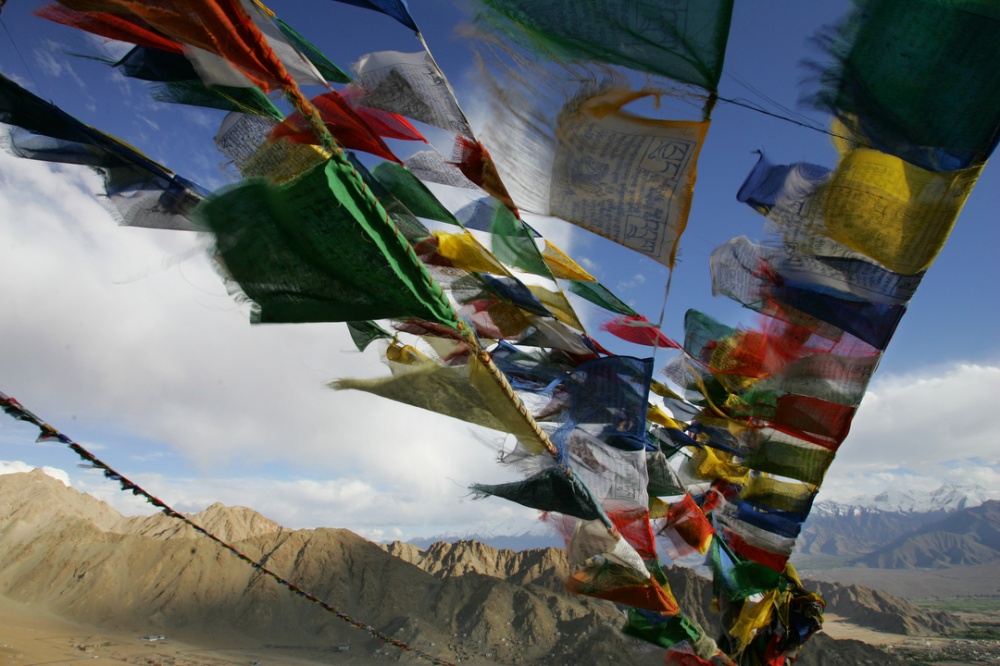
x=842 y=532
x=74 y=556
x=834 y=530
x=514 y=534
x=964 y=537
x=945 y=498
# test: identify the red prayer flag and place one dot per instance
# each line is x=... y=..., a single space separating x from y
x=347 y=127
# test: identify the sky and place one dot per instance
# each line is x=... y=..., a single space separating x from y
x=126 y=340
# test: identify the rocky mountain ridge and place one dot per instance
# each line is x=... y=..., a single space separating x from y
x=964 y=537
x=76 y=557
x=865 y=533
x=947 y=497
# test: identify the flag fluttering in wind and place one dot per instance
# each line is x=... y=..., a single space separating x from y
x=477 y=315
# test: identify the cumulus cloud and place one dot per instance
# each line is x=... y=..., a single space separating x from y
x=21 y=467
x=121 y=334
x=921 y=430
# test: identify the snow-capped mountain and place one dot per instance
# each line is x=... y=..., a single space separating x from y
x=946 y=498
x=846 y=531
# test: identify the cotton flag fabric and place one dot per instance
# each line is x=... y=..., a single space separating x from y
x=627 y=178
x=685 y=41
x=412 y=85
x=291 y=249
x=947 y=122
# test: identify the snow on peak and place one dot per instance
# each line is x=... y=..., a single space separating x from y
x=911 y=500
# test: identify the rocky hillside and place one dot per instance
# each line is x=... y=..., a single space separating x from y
x=464 y=601
x=883 y=612
x=964 y=537
x=87 y=564
x=841 y=533
x=836 y=533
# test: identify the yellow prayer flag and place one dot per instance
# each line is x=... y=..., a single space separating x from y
x=465 y=252
x=562 y=266
x=556 y=303
x=898 y=214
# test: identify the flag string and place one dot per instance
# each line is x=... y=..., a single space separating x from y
x=17 y=411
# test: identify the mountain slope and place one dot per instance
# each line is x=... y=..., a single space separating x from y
x=462 y=601
x=836 y=533
x=964 y=537
x=137 y=579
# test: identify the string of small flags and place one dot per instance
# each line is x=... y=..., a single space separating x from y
x=14 y=409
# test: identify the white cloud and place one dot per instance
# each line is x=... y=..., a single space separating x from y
x=922 y=430
x=21 y=467
x=129 y=333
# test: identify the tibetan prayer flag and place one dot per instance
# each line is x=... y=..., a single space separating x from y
x=180 y=83
x=411 y=85
x=601 y=296
x=323 y=65
x=294 y=251
x=919 y=80
x=587 y=539
x=686 y=527
x=366 y=332
x=685 y=41
x=562 y=266
x=639 y=330
x=784 y=455
x=243 y=139
x=619 y=175
x=385 y=123
x=462 y=250
x=740 y=578
x=738 y=266
x=658 y=629
x=431 y=386
x=431 y=166
x=896 y=213
x=397 y=9
x=552 y=489
x=141 y=192
x=346 y=125
x=411 y=192
x=407 y=223
x=620 y=584
x=768 y=185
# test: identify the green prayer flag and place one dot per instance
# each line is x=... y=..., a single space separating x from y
x=320 y=248
x=407 y=223
x=684 y=40
x=599 y=295
x=324 y=65
x=739 y=578
x=227 y=98
x=411 y=192
x=658 y=630
x=514 y=245
x=799 y=460
x=366 y=332
x=918 y=79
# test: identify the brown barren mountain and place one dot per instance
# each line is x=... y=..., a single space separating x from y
x=71 y=555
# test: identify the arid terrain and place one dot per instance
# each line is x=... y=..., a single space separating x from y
x=80 y=582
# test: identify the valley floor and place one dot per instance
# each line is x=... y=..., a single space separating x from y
x=30 y=636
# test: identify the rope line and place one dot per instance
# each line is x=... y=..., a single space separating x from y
x=17 y=411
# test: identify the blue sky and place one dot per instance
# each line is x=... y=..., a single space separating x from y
x=126 y=340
